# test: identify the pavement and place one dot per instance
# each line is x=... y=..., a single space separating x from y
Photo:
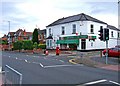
x=99 y=62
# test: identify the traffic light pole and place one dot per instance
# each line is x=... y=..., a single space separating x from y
x=106 y=51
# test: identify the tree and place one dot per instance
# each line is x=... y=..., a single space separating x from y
x=27 y=45
x=35 y=36
x=17 y=45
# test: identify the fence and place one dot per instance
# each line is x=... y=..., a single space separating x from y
x=12 y=76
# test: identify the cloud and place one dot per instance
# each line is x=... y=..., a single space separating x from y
x=29 y=13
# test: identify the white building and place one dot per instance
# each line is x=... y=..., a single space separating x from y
x=79 y=32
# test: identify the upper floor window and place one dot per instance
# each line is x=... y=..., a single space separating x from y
x=63 y=30
x=112 y=34
x=74 y=28
x=118 y=34
x=91 y=28
x=49 y=31
x=101 y=27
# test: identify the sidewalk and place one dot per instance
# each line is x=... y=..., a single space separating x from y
x=97 y=62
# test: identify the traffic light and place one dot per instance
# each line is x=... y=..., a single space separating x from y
x=106 y=34
x=101 y=34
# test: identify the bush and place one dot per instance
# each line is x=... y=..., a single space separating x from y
x=17 y=45
x=42 y=46
x=27 y=45
x=35 y=45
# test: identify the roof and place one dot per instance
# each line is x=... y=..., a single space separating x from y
x=78 y=17
x=50 y=37
x=112 y=27
x=42 y=31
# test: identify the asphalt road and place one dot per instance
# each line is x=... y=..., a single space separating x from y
x=40 y=69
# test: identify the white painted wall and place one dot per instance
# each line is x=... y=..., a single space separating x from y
x=85 y=30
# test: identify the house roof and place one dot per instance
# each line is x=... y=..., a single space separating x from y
x=78 y=17
x=50 y=37
x=42 y=31
x=112 y=27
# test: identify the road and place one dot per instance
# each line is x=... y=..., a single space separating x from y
x=40 y=69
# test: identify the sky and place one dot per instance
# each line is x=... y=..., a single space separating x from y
x=29 y=14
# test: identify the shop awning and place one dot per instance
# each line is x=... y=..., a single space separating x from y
x=76 y=41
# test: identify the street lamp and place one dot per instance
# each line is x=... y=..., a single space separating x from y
x=9 y=34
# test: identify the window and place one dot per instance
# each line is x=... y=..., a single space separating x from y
x=49 y=31
x=118 y=34
x=91 y=26
x=63 y=30
x=74 y=28
x=91 y=30
x=112 y=34
x=50 y=43
x=101 y=27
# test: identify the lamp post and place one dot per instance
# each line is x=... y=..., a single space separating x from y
x=9 y=34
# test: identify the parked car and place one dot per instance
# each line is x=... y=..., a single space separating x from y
x=113 y=52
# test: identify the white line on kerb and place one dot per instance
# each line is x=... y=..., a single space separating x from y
x=94 y=82
x=41 y=65
x=114 y=83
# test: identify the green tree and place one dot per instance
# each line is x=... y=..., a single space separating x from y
x=35 y=45
x=17 y=45
x=35 y=36
x=27 y=45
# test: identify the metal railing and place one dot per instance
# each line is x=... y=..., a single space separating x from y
x=12 y=76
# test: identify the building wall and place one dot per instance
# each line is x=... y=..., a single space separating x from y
x=83 y=28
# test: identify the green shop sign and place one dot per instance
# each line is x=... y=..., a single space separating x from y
x=76 y=37
x=76 y=41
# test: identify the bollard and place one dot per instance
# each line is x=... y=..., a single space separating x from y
x=46 y=52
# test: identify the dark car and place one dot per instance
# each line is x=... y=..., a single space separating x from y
x=113 y=52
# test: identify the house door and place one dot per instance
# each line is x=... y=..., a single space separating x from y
x=83 y=43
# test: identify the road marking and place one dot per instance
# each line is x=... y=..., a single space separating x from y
x=35 y=63
x=16 y=58
x=61 y=60
x=26 y=55
x=26 y=60
x=9 y=56
x=94 y=82
x=41 y=65
x=114 y=83
x=60 y=66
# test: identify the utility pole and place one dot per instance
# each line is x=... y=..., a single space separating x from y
x=9 y=34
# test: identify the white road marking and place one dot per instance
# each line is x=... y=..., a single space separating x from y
x=26 y=55
x=16 y=58
x=41 y=65
x=60 y=66
x=114 y=83
x=26 y=60
x=9 y=56
x=35 y=63
x=61 y=60
x=94 y=82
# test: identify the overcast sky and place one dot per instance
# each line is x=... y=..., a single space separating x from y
x=26 y=14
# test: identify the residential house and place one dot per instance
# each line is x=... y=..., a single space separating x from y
x=79 y=32
x=42 y=36
x=19 y=35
